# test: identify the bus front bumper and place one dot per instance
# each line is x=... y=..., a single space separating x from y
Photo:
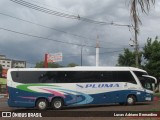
x=148 y=97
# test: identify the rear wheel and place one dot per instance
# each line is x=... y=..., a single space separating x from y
x=131 y=100
x=57 y=103
x=42 y=104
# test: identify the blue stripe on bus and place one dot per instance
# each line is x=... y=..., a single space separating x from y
x=27 y=99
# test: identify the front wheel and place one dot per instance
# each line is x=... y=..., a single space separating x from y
x=131 y=100
x=57 y=103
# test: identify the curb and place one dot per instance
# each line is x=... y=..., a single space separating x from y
x=1 y=96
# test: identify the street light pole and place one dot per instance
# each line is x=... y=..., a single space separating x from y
x=81 y=55
x=97 y=51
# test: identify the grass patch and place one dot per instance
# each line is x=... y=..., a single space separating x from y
x=3 y=81
x=157 y=94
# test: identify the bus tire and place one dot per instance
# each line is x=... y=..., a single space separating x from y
x=42 y=104
x=57 y=103
x=131 y=100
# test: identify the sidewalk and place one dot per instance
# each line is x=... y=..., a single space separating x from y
x=3 y=95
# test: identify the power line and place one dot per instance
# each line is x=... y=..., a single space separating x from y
x=42 y=9
x=54 y=40
x=80 y=36
x=62 y=14
x=50 y=6
x=91 y=54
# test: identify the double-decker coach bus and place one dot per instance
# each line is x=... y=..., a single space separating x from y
x=58 y=87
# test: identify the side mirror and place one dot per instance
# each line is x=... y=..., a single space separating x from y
x=148 y=76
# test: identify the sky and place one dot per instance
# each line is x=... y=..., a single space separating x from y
x=27 y=34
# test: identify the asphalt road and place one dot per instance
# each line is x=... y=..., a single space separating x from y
x=89 y=112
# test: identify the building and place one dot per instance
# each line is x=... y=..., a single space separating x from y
x=10 y=63
x=6 y=64
x=18 y=64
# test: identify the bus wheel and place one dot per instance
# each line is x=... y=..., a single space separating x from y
x=42 y=104
x=57 y=103
x=131 y=100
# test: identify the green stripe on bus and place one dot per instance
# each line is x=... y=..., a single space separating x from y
x=25 y=86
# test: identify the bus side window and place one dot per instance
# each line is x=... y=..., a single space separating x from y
x=125 y=76
x=106 y=76
x=17 y=74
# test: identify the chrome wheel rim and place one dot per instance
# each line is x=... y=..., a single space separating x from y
x=57 y=104
x=130 y=100
x=42 y=105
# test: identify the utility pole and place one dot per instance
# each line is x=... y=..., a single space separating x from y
x=81 y=55
x=136 y=51
x=136 y=36
x=97 y=51
x=46 y=60
x=134 y=43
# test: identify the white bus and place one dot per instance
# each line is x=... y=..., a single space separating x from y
x=58 y=87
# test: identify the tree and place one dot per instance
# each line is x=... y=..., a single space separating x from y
x=134 y=7
x=151 y=53
x=72 y=65
x=128 y=58
x=144 y=5
x=53 y=65
x=1 y=70
x=50 y=65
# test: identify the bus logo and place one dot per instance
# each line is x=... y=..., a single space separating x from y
x=79 y=86
x=99 y=85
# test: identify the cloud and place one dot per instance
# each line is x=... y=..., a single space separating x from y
x=113 y=38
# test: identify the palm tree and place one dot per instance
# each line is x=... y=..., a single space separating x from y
x=135 y=5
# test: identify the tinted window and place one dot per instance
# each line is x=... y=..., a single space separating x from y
x=125 y=76
x=28 y=76
x=145 y=81
x=87 y=76
x=139 y=74
x=71 y=76
x=107 y=76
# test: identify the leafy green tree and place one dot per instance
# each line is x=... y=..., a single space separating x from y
x=50 y=65
x=72 y=65
x=151 y=53
x=1 y=70
x=128 y=58
x=39 y=65
x=53 y=65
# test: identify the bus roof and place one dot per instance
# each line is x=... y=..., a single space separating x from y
x=79 y=68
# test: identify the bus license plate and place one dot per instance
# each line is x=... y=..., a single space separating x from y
x=148 y=98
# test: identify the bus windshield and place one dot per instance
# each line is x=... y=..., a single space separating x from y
x=146 y=81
